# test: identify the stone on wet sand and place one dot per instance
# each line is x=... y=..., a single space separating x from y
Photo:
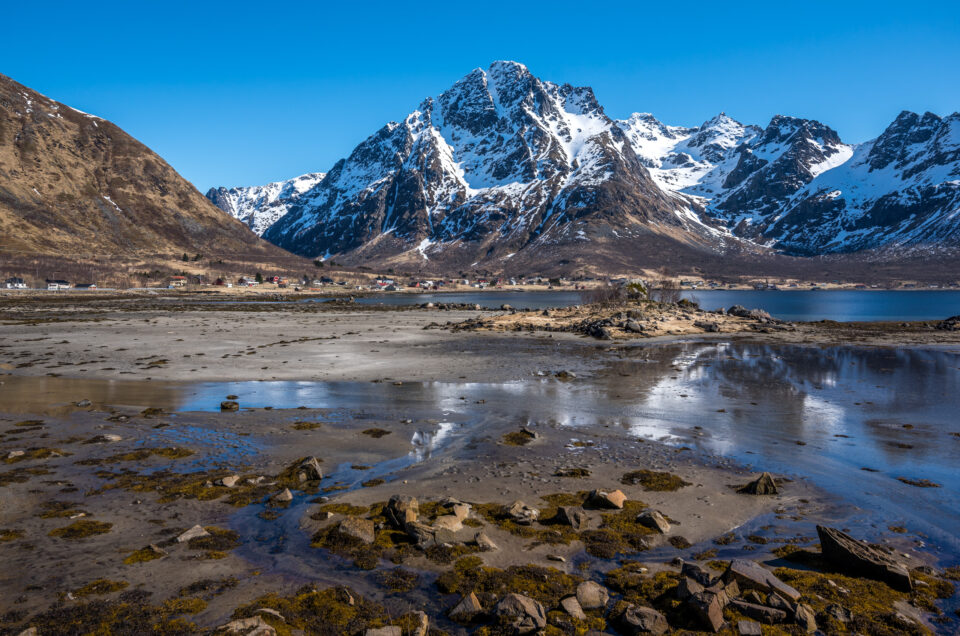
x=606 y=499
x=592 y=595
x=468 y=607
x=229 y=405
x=254 y=626
x=572 y=607
x=105 y=438
x=83 y=403
x=484 y=542
x=356 y=528
x=229 y=481
x=401 y=510
x=310 y=469
x=195 y=532
x=284 y=496
x=856 y=557
x=638 y=619
x=654 y=520
x=752 y=576
x=573 y=516
x=522 y=514
x=762 y=485
x=524 y=614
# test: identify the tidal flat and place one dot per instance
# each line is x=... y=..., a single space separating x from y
x=483 y=478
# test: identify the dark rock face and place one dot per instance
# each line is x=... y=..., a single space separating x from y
x=861 y=559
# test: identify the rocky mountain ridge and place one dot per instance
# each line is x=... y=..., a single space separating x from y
x=506 y=168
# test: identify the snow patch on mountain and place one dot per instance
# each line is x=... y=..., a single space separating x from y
x=259 y=207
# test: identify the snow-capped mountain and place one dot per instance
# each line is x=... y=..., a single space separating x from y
x=796 y=187
x=262 y=206
x=900 y=190
x=505 y=167
x=499 y=163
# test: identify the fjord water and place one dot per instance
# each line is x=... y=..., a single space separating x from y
x=792 y=305
x=848 y=420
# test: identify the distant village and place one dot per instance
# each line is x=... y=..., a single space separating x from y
x=385 y=283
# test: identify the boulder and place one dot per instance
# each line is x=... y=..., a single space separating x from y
x=707 y=325
x=421 y=533
x=572 y=607
x=254 y=626
x=860 y=559
x=310 y=467
x=592 y=595
x=776 y=601
x=423 y=624
x=603 y=499
x=284 y=496
x=390 y=630
x=697 y=573
x=524 y=614
x=707 y=610
x=573 y=516
x=749 y=628
x=752 y=576
x=83 y=403
x=30 y=631
x=762 y=613
x=687 y=588
x=805 y=618
x=638 y=619
x=522 y=514
x=193 y=533
x=401 y=510
x=465 y=611
x=654 y=520
x=16 y=453
x=356 y=528
x=229 y=405
x=633 y=326
x=762 y=485
x=484 y=542
x=460 y=510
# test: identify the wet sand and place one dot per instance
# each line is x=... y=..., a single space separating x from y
x=125 y=359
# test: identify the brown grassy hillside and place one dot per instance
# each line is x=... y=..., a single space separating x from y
x=74 y=185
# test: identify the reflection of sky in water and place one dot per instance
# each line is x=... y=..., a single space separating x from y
x=752 y=403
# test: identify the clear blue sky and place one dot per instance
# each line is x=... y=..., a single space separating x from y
x=242 y=93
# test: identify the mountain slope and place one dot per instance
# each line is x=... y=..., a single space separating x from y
x=796 y=187
x=75 y=184
x=500 y=163
x=259 y=207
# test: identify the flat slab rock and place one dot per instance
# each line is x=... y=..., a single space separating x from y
x=751 y=576
x=856 y=557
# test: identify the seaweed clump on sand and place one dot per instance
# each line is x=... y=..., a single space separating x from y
x=100 y=587
x=325 y=612
x=81 y=529
x=654 y=480
x=122 y=616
